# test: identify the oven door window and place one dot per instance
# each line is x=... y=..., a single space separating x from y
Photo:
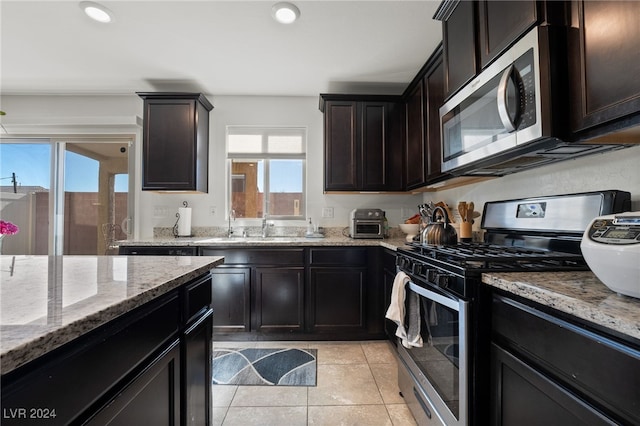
x=439 y=359
x=368 y=228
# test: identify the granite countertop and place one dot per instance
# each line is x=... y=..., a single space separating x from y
x=47 y=301
x=334 y=240
x=580 y=294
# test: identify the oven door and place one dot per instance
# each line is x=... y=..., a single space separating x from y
x=439 y=368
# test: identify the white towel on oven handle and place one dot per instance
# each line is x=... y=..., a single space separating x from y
x=414 y=337
x=396 y=311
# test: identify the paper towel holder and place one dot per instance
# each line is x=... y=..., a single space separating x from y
x=175 y=226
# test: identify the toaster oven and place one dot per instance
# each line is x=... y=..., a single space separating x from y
x=366 y=223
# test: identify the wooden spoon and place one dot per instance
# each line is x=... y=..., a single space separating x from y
x=462 y=209
x=469 y=216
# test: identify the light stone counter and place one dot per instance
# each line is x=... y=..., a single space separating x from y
x=47 y=301
x=390 y=243
x=580 y=294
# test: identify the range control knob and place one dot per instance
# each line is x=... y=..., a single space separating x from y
x=443 y=281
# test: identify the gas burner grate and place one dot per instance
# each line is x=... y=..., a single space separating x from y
x=495 y=257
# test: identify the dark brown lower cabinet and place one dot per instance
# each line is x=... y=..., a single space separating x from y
x=337 y=299
x=151 y=398
x=278 y=299
x=523 y=396
x=551 y=370
x=338 y=290
x=196 y=358
x=311 y=293
x=232 y=300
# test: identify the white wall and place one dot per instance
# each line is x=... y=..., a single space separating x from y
x=614 y=170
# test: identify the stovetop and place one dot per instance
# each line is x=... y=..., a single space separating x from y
x=483 y=257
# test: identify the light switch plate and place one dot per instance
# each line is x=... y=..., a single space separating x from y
x=327 y=212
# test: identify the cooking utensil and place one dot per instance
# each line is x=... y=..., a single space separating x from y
x=462 y=209
x=469 y=215
x=446 y=208
x=439 y=233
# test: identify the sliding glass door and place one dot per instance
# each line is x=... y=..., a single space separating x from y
x=65 y=197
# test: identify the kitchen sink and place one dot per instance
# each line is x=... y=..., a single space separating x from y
x=249 y=240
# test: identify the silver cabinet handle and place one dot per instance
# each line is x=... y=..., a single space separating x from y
x=508 y=124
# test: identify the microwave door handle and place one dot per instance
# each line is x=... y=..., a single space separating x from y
x=503 y=113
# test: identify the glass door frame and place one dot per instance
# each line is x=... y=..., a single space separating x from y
x=58 y=146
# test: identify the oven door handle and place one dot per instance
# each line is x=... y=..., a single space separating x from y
x=450 y=302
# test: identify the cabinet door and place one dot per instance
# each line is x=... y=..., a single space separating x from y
x=175 y=148
x=152 y=398
x=416 y=168
x=169 y=151
x=522 y=396
x=501 y=24
x=396 y=143
x=278 y=299
x=433 y=98
x=337 y=299
x=458 y=35
x=606 y=62
x=374 y=145
x=196 y=384
x=341 y=146
x=231 y=300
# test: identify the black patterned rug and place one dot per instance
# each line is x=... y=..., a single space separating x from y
x=255 y=366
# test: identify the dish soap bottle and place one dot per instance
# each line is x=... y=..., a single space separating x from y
x=309 y=228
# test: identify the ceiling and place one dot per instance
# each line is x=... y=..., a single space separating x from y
x=215 y=47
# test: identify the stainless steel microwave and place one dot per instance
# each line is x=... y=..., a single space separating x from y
x=512 y=115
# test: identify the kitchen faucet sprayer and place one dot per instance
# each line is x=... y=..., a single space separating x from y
x=232 y=216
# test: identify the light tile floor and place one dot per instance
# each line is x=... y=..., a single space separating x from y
x=357 y=384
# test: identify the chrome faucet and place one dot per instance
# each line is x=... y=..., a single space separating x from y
x=265 y=226
x=232 y=215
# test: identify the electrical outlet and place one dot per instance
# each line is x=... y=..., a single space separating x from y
x=212 y=210
x=327 y=212
x=160 y=211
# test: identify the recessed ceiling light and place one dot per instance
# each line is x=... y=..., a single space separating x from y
x=285 y=13
x=97 y=12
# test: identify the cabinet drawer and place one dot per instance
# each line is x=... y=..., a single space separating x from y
x=85 y=371
x=197 y=297
x=338 y=256
x=261 y=256
x=603 y=370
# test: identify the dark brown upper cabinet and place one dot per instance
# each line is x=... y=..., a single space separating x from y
x=459 y=43
x=363 y=143
x=423 y=99
x=175 y=145
x=604 y=67
x=474 y=32
x=416 y=157
x=500 y=23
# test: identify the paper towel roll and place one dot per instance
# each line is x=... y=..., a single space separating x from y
x=184 y=222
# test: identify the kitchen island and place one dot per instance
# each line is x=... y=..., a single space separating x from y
x=95 y=338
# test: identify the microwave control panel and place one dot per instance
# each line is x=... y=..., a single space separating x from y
x=616 y=231
x=526 y=71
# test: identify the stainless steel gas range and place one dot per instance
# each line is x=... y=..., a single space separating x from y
x=444 y=369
